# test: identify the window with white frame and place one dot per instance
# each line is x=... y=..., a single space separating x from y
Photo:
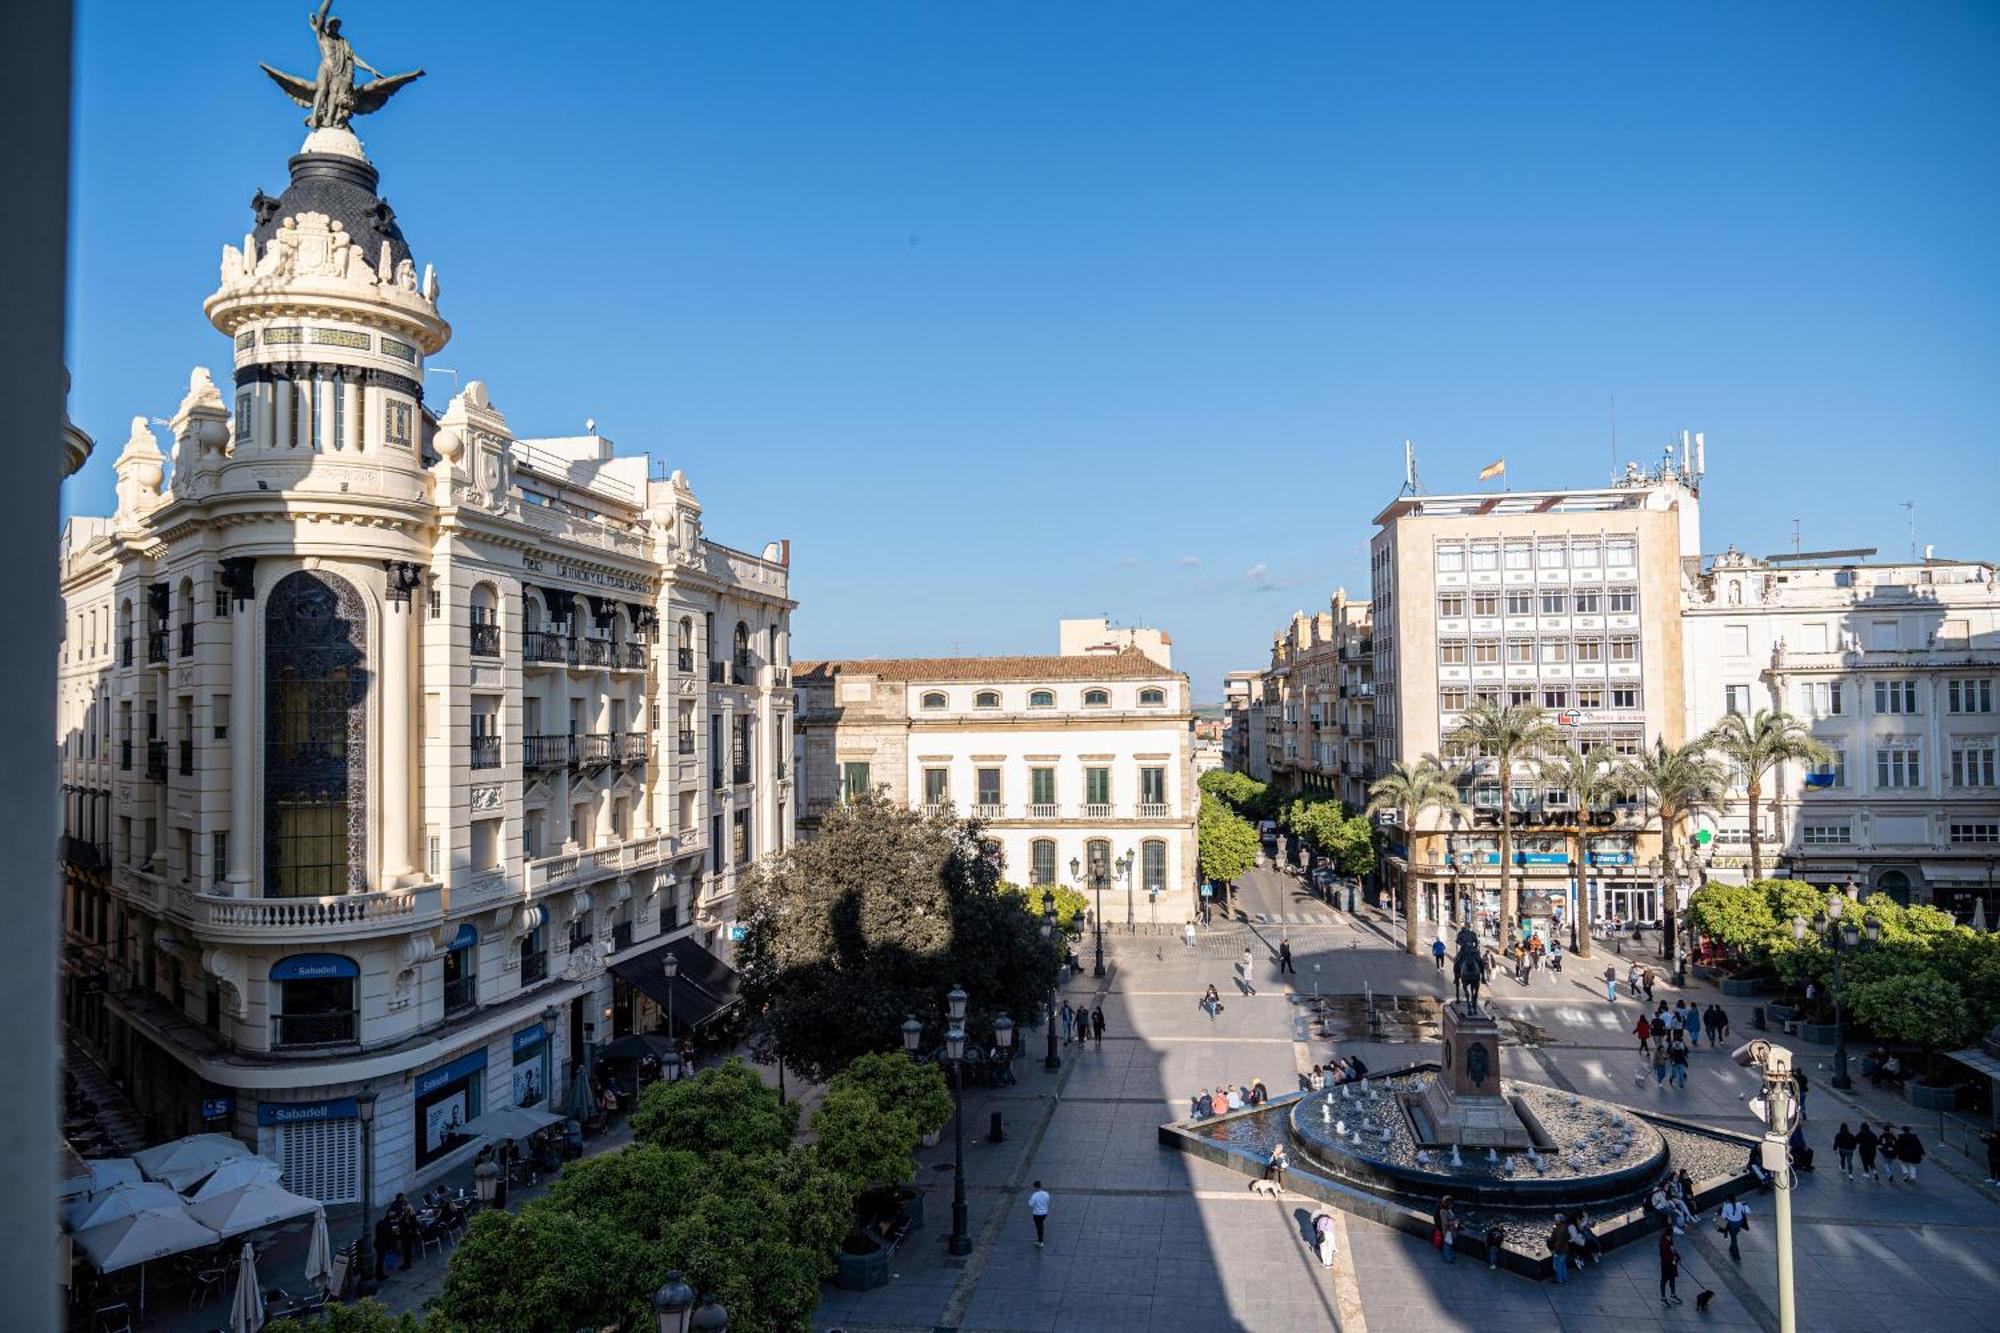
x=1832 y=773
x=1550 y=555
x=1590 y=650
x=934 y=700
x=1895 y=696
x=1556 y=650
x=1520 y=556
x=1520 y=604
x=1736 y=699
x=1451 y=559
x=1970 y=696
x=1555 y=603
x=1583 y=555
x=1520 y=697
x=1898 y=764
x=1452 y=654
x=1520 y=651
x=1451 y=606
x=1555 y=698
x=1590 y=696
x=1152 y=698
x=1485 y=559
x=1452 y=701
x=1825 y=833
x=1041 y=699
x=1976 y=831
x=1486 y=653
x=1821 y=698
x=1621 y=551
x=1485 y=604
x=986 y=699
x=1096 y=698
x=1625 y=650
x=1972 y=762
x=1624 y=697
x=1588 y=601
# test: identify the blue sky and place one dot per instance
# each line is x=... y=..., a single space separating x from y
x=1009 y=312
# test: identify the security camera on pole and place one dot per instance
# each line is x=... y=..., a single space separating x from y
x=1778 y=1107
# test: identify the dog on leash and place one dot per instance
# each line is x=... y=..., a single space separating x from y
x=1267 y=1187
x=1701 y=1300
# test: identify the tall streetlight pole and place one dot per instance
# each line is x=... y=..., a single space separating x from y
x=1052 y=1061
x=954 y=1045
x=1842 y=939
x=364 y=1254
x=671 y=966
x=1097 y=883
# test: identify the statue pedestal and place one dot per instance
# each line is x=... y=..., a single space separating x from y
x=1464 y=1104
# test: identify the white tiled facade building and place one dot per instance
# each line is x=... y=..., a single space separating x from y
x=386 y=733
x=1894 y=666
x=1076 y=765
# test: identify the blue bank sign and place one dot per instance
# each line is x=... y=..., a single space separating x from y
x=296 y=1113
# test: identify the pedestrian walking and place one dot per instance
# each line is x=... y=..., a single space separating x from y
x=1097 y=1024
x=1670 y=1268
x=1646 y=980
x=1285 y=956
x=1243 y=966
x=1558 y=1243
x=1212 y=1003
x=1866 y=1143
x=1187 y=937
x=1437 y=954
x=1323 y=1237
x=1632 y=979
x=1643 y=1030
x=1910 y=1153
x=1721 y=1022
x=1555 y=958
x=1843 y=1147
x=1444 y=1230
x=1889 y=1154
x=1659 y=1064
x=1038 y=1208
x=1677 y=1064
x=1069 y=1021
x=1611 y=985
x=1735 y=1217
x=1799 y=1077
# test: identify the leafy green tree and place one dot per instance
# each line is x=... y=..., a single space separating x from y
x=369 y=1316
x=727 y=1108
x=1071 y=903
x=1407 y=791
x=1227 y=844
x=1682 y=783
x=1243 y=794
x=874 y=1113
x=1736 y=916
x=1752 y=747
x=1918 y=1008
x=875 y=919
x=1508 y=735
x=1593 y=779
x=1353 y=847
x=549 y=1268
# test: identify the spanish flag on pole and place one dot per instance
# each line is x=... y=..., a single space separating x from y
x=1497 y=468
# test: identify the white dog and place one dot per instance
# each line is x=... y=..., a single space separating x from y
x=1269 y=1187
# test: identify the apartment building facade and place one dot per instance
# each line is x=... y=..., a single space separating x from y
x=1240 y=691
x=1322 y=677
x=1078 y=767
x=1894 y=666
x=393 y=744
x=1569 y=600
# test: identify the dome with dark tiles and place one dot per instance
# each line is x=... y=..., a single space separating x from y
x=342 y=187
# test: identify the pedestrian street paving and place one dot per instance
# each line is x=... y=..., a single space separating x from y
x=1141 y=1237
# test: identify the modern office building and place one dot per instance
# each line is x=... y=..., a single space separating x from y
x=1078 y=767
x=1894 y=666
x=398 y=750
x=1567 y=599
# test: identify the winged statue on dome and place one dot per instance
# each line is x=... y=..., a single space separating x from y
x=332 y=98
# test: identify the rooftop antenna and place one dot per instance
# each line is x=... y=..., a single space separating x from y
x=1411 y=486
x=445 y=370
x=1795 y=536
x=1910 y=517
x=1614 y=437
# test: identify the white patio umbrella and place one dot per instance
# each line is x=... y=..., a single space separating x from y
x=235 y=1174
x=104 y=1172
x=142 y=1237
x=249 y=1207
x=184 y=1162
x=319 y=1255
x=1979 y=914
x=108 y=1205
x=246 y=1307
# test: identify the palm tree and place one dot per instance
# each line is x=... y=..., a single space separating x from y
x=1753 y=746
x=1593 y=778
x=1508 y=734
x=1407 y=791
x=1681 y=783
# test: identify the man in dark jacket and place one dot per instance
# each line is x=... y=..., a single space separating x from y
x=1909 y=1152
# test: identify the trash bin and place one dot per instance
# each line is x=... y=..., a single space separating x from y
x=994 y=1133
x=1757 y=1017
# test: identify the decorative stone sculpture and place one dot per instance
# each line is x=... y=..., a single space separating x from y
x=331 y=97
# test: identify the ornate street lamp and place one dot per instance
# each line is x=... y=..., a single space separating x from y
x=913 y=1035
x=710 y=1318
x=486 y=1182
x=1843 y=938
x=364 y=1256
x=1050 y=1062
x=673 y=1303
x=549 y=1016
x=1003 y=1040
x=672 y=968
x=954 y=1047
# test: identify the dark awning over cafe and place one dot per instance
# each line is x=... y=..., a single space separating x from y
x=704 y=987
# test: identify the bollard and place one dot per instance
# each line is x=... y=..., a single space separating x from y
x=994 y=1133
x=1757 y=1017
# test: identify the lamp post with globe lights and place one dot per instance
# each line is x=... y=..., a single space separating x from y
x=364 y=1257
x=1843 y=938
x=1097 y=877
x=954 y=1044
x=1051 y=1061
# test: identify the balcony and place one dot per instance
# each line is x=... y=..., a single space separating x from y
x=621 y=936
x=86 y=855
x=632 y=656
x=1097 y=810
x=540 y=754
x=535 y=967
x=156 y=760
x=781 y=677
x=461 y=994
x=576 y=868
x=1155 y=810
x=746 y=667
x=156 y=645
x=1045 y=810
x=485 y=639
x=187 y=639
x=283 y=919
x=936 y=809
x=485 y=751
x=684 y=744
x=631 y=747
x=187 y=758
x=291 y=1032
x=684 y=661
x=993 y=810
x=739 y=773
x=540 y=645
x=718 y=673
x=594 y=750
x=594 y=652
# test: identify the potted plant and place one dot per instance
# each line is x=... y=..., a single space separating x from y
x=866 y=1130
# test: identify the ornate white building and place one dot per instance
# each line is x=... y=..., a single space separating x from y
x=398 y=751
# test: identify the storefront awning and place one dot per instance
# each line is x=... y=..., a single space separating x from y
x=704 y=987
x=1977 y=1060
x=1973 y=874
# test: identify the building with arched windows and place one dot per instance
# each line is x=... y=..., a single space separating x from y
x=398 y=750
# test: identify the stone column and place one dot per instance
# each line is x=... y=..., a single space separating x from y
x=323 y=395
x=260 y=416
x=237 y=577
x=397 y=867
x=351 y=409
x=600 y=790
x=283 y=434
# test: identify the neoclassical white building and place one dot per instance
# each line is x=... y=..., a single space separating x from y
x=398 y=751
x=1079 y=767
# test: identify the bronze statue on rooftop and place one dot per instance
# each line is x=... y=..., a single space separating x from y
x=332 y=98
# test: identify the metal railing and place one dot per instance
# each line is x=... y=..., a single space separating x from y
x=156 y=645
x=718 y=673
x=546 y=752
x=632 y=748
x=594 y=652
x=684 y=660
x=485 y=639
x=740 y=773
x=781 y=677
x=535 y=967
x=540 y=645
x=156 y=759
x=292 y=1031
x=685 y=743
x=125 y=651
x=461 y=994
x=85 y=854
x=621 y=936
x=594 y=750
x=485 y=751
x=632 y=656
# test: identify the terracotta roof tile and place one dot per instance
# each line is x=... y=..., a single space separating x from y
x=1130 y=664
